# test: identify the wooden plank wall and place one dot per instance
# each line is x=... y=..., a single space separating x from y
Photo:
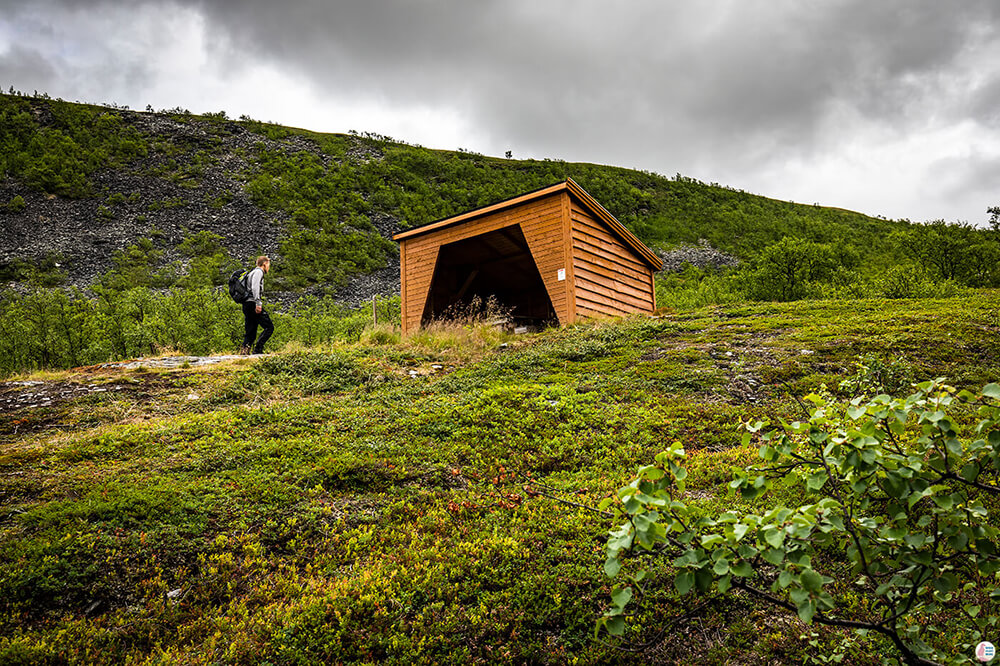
x=610 y=280
x=544 y=230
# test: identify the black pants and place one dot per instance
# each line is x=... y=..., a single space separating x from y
x=251 y=320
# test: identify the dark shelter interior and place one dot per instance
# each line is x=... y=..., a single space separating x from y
x=497 y=264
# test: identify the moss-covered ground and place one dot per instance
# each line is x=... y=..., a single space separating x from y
x=397 y=502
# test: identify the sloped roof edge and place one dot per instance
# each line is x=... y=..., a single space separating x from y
x=617 y=227
x=570 y=186
x=479 y=212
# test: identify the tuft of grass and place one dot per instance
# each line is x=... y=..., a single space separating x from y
x=461 y=340
x=381 y=334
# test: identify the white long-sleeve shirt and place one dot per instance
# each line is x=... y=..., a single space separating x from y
x=255 y=281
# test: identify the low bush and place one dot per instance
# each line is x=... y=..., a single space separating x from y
x=883 y=525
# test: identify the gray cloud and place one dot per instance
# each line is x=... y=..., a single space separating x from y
x=983 y=103
x=741 y=75
x=727 y=89
x=20 y=66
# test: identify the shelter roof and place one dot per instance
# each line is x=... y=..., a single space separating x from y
x=574 y=190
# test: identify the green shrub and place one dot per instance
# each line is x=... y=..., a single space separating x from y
x=59 y=156
x=877 y=375
x=789 y=269
x=889 y=529
x=695 y=288
x=16 y=205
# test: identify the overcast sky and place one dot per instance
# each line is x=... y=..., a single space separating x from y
x=888 y=107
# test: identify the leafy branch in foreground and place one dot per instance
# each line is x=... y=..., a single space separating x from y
x=893 y=535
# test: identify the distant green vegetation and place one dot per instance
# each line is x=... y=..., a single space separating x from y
x=145 y=307
x=329 y=234
x=53 y=328
x=331 y=191
x=336 y=195
x=55 y=146
x=788 y=251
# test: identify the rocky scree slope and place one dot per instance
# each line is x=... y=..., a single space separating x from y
x=192 y=179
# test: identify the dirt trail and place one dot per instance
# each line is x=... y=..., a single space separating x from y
x=31 y=405
x=169 y=362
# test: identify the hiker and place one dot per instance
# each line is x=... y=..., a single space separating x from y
x=254 y=313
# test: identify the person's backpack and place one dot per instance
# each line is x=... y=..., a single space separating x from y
x=238 y=285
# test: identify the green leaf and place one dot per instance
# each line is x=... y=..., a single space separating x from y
x=798 y=595
x=895 y=486
x=774 y=537
x=616 y=625
x=684 y=581
x=914 y=498
x=817 y=480
x=807 y=610
x=785 y=578
x=688 y=558
x=811 y=580
x=703 y=579
x=933 y=417
x=992 y=391
x=612 y=566
x=621 y=596
x=896 y=533
x=945 y=502
x=632 y=505
x=709 y=540
x=958 y=541
x=945 y=583
x=774 y=555
x=721 y=567
x=970 y=471
x=743 y=569
x=651 y=472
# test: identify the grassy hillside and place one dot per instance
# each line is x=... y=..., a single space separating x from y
x=120 y=227
x=394 y=501
x=331 y=199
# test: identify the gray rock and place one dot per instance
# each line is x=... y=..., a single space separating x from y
x=702 y=255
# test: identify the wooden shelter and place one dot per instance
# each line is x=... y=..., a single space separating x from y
x=550 y=255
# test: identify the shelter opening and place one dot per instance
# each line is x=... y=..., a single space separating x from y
x=496 y=264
